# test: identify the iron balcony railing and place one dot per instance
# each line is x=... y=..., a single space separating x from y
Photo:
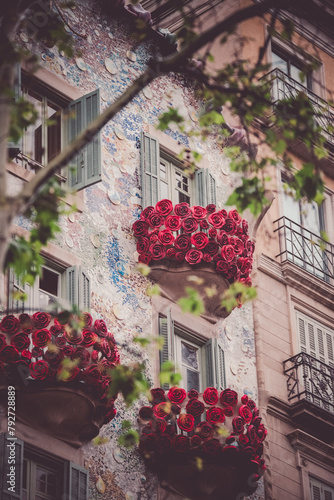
x=283 y=86
x=310 y=379
x=305 y=249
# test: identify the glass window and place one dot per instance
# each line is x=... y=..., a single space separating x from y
x=189 y=363
x=42 y=479
x=174 y=183
x=290 y=67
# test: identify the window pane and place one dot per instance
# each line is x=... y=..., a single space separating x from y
x=182 y=198
x=33 y=146
x=189 y=355
x=193 y=380
x=278 y=62
x=163 y=171
x=48 y=282
x=164 y=190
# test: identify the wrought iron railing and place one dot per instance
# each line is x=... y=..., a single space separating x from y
x=310 y=379
x=305 y=249
x=283 y=86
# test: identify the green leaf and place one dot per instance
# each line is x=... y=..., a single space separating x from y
x=165 y=119
x=192 y=302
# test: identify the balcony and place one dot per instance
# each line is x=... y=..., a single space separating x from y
x=305 y=249
x=283 y=86
x=310 y=385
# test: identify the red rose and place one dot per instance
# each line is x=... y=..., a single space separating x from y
x=37 y=352
x=256 y=421
x=210 y=208
x=182 y=209
x=204 y=430
x=211 y=447
x=87 y=319
x=212 y=247
x=203 y=224
x=73 y=337
x=144 y=258
x=181 y=444
x=176 y=409
x=88 y=337
x=199 y=240
x=100 y=328
x=216 y=219
x=39 y=370
x=198 y=212
x=262 y=432
x=229 y=397
x=60 y=341
x=52 y=357
x=164 y=443
x=164 y=207
x=212 y=232
x=223 y=212
x=252 y=405
x=230 y=226
x=238 y=425
x=41 y=319
x=3 y=341
x=176 y=395
x=160 y=425
x=9 y=354
x=10 y=324
x=26 y=355
x=228 y=410
x=195 y=407
x=41 y=338
x=243 y=439
x=186 y=422
x=20 y=341
x=146 y=212
x=180 y=256
x=170 y=252
x=92 y=375
x=67 y=350
x=158 y=395
x=234 y=215
x=83 y=357
x=244 y=264
x=245 y=413
x=173 y=222
x=210 y=396
x=237 y=244
x=182 y=242
x=193 y=256
x=56 y=329
x=153 y=237
x=166 y=237
x=26 y=323
x=244 y=224
x=195 y=441
x=155 y=220
x=215 y=415
x=162 y=410
x=227 y=252
x=140 y=228
x=146 y=413
x=157 y=251
x=143 y=244
x=189 y=225
x=222 y=238
x=207 y=257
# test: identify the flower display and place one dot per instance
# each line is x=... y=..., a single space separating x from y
x=194 y=235
x=55 y=351
x=216 y=427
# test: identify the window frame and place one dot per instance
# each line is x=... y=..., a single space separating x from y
x=321 y=486
x=171 y=169
x=292 y=59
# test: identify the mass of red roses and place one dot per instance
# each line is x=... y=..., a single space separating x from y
x=63 y=349
x=180 y=425
x=196 y=234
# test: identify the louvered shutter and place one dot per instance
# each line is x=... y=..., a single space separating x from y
x=84 y=290
x=72 y=285
x=150 y=170
x=15 y=285
x=214 y=364
x=5 y=464
x=77 y=483
x=321 y=491
x=166 y=330
x=78 y=288
x=205 y=187
x=15 y=147
x=85 y=168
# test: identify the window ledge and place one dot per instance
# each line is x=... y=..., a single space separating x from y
x=76 y=199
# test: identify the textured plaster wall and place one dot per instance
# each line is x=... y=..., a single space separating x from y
x=101 y=235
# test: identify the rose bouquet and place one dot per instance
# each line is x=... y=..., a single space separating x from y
x=178 y=429
x=72 y=351
x=194 y=235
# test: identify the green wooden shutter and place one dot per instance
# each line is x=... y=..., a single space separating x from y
x=15 y=147
x=87 y=163
x=15 y=285
x=5 y=464
x=166 y=330
x=150 y=170
x=77 y=484
x=214 y=364
x=84 y=290
x=205 y=187
x=72 y=290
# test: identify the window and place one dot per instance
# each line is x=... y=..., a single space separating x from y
x=200 y=362
x=39 y=475
x=55 y=284
x=315 y=339
x=165 y=177
x=290 y=66
x=59 y=121
x=320 y=490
